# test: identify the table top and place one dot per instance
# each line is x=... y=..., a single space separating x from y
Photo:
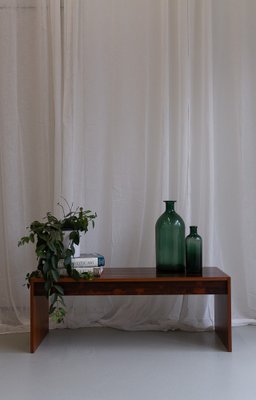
x=150 y=274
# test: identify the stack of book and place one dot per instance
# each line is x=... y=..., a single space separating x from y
x=92 y=263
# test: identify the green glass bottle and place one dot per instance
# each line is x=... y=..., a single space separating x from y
x=193 y=252
x=170 y=241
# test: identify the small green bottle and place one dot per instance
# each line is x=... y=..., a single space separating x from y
x=193 y=252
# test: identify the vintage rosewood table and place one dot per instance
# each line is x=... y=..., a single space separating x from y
x=137 y=281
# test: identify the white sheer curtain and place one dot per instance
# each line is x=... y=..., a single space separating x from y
x=117 y=106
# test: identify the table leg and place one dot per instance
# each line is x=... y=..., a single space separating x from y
x=39 y=318
x=222 y=309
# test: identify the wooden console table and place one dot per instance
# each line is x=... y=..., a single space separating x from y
x=137 y=281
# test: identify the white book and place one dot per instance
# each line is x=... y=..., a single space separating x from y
x=96 y=271
x=86 y=260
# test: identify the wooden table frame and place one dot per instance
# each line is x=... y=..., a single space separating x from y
x=137 y=281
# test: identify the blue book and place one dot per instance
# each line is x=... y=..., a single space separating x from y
x=86 y=260
x=89 y=260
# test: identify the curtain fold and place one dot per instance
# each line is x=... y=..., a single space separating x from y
x=117 y=106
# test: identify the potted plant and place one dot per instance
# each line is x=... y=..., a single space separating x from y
x=48 y=238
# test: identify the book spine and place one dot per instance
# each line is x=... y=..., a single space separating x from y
x=96 y=271
x=85 y=262
x=88 y=262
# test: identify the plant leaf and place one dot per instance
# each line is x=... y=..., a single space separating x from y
x=59 y=289
x=55 y=275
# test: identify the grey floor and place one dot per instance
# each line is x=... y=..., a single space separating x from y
x=107 y=364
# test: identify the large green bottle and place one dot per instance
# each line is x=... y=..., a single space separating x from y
x=170 y=241
x=193 y=252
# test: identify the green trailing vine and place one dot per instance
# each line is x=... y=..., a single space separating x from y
x=47 y=236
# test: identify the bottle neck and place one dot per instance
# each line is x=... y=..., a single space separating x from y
x=169 y=205
x=193 y=230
